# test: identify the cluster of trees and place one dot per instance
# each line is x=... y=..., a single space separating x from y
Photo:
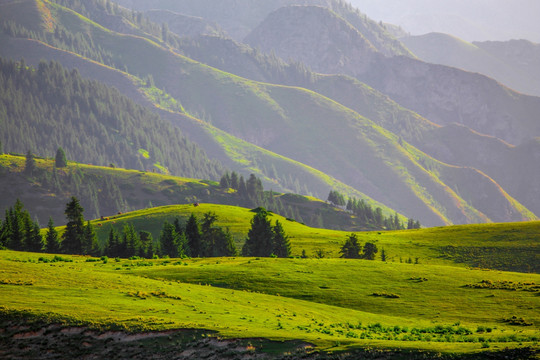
x=366 y=214
x=264 y=239
x=251 y=194
x=352 y=249
x=19 y=232
x=92 y=122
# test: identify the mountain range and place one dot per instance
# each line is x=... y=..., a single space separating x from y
x=309 y=95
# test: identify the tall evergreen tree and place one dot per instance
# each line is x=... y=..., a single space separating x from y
x=281 y=243
x=73 y=237
x=223 y=243
x=169 y=240
x=90 y=245
x=34 y=242
x=61 y=159
x=193 y=234
x=147 y=250
x=131 y=240
x=112 y=248
x=260 y=235
x=30 y=163
x=351 y=247
x=234 y=180
x=52 y=242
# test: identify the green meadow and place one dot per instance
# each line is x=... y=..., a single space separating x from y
x=436 y=303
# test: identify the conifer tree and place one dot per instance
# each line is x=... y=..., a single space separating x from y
x=90 y=245
x=52 y=242
x=73 y=237
x=131 y=240
x=281 y=243
x=259 y=241
x=112 y=248
x=169 y=240
x=61 y=159
x=351 y=247
x=147 y=249
x=234 y=180
x=30 y=163
x=223 y=243
x=370 y=250
x=193 y=234
x=34 y=240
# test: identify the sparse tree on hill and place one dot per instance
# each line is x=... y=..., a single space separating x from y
x=383 y=255
x=60 y=159
x=351 y=247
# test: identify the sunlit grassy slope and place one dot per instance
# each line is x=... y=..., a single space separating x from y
x=330 y=303
x=507 y=246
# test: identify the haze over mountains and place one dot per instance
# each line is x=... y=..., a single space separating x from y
x=471 y=20
x=310 y=95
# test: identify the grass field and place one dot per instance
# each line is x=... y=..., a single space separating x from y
x=329 y=302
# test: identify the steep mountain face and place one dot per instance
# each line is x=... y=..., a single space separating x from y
x=323 y=49
x=239 y=17
x=442 y=94
x=514 y=63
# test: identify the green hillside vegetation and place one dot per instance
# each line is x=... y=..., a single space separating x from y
x=93 y=123
x=105 y=191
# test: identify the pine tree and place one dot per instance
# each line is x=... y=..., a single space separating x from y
x=370 y=250
x=193 y=234
x=73 y=237
x=30 y=163
x=234 y=180
x=147 y=249
x=90 y=245
x=34 y=242
x=60 y=160
x=223 y=243
x=281 y=243
x=351 y=248
x=169 y=240
x=260 y=236
x=112 y=248
x=383 y=255
x=131 y=240
x=52 y=242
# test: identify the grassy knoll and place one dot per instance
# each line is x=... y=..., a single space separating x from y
x=507 y=246
x=104 y=294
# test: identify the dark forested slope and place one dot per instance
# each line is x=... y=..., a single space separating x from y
x=50 y=107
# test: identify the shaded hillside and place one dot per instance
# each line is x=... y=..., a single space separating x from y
x=183 y=25
x=514 y=63
x=269 y=116
x=93 y=123
x=442 y=94
x=105 y=191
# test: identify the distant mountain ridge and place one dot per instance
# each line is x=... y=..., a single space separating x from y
x=442 y=94
x=514 y=63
